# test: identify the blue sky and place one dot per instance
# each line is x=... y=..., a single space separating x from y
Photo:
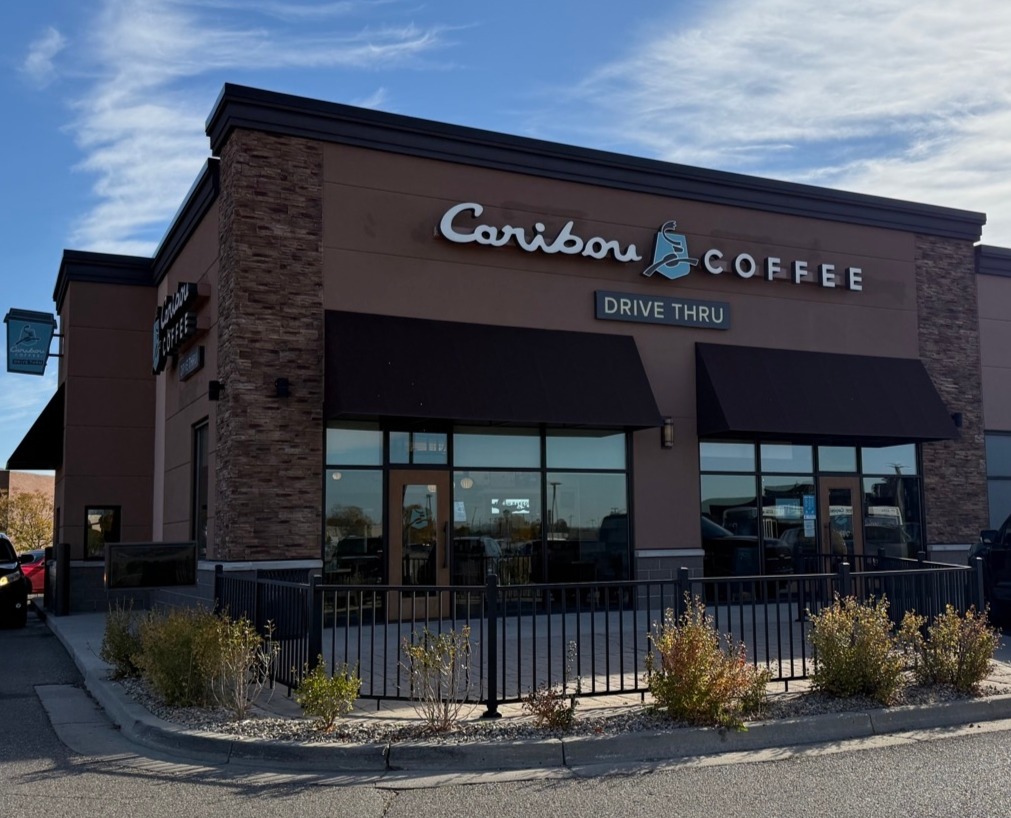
x=105 y=101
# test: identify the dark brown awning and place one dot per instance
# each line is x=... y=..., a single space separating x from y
x=816 y=397
x=42 y=447
x=385 y=366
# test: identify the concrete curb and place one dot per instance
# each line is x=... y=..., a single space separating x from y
x=141 y=726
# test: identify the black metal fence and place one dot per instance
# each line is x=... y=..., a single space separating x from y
x=526 y=636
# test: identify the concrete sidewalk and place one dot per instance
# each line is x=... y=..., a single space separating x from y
x=82 y=634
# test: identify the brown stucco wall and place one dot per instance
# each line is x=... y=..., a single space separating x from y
x=381 y=254
x=270 y=324
x=954 y=472
x=184 y=404
x=109 y=410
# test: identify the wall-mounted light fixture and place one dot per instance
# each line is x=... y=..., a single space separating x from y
x=956 y=418
x=667 y=433
x=282 y=389
x=466 y=482
x=214 y=390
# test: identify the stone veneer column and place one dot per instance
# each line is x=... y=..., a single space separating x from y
x=270 y=325
x=954 y=472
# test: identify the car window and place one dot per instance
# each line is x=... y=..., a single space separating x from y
x=7 y=553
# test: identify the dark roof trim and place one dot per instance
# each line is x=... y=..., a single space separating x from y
x=42 y=446
x=993 y=261
x=198 y=201
x=254 y=109
x=100 y=268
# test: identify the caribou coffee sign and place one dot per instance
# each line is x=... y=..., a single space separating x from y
x=174 y=324
x=671 y=260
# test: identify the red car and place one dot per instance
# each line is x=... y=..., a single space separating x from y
x=33 y=566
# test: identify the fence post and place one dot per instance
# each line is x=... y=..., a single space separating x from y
x=921 y=556
x=62 y=579
x=219 y=586
x=491 y=609
x=980 y=602
x=845 y=580
x=684 y=589
x=315 y=613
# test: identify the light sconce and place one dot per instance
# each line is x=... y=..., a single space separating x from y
x=667 y=433
x=336 y=475
x=282 y=389
x=956 y=418
x=467 y=482
x=214 y=390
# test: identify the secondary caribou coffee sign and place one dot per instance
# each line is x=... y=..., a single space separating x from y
x=672 y=258
x=174 y=324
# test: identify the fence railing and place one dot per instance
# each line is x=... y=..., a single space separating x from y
x=527 y=636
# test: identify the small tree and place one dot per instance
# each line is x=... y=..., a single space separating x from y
x=27 y=518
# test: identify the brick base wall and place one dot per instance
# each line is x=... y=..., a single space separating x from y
x=270 y=325
x=954 y=472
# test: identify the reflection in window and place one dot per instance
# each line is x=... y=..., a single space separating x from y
x=353 y=540
x=354 y=444
x=497 y=448
x=101 y=525
x=892 y=515
x=837 y=459
x=998 y=472
x=889 y=460
x=726 y=456
x=784 y=458
x=421 y=448
x=729 y=501
x=583 y=450
x=587 y=521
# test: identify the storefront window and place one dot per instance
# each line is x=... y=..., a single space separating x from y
x=358 y=444
x=419 y=448
x=353 y=550
x=198 y=514
x=497 y=448
x=837 y=459
x=587 y=521
x=101 y=525
x=726 y=456
x=889 y=460
x=784 y=458
x=892 y=515
x=783 y=503
x=729 y=501
x=998 y=472
x=585 y=450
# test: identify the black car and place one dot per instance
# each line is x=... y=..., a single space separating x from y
x=726 y=554
x=13 y=587
x=994 y=548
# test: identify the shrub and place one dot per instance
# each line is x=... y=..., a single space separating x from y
x=957 y=651
x=327 y=698
x=856 y=653
x=554 y=706
x=169 y=659
x=438 y=666
x=237 y=662
x=698 y=677
x=121 y=642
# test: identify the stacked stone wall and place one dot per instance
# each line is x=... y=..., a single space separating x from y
x=954 y=472
x=270 y=325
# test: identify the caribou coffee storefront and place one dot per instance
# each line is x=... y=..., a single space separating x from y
x=407 y=351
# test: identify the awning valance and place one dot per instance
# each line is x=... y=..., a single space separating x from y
x=392 y=367
x=42 y=447
x=816 y=397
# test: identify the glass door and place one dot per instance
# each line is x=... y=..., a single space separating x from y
x=419 y=529
x=840 y=512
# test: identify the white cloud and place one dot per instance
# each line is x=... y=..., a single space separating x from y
x=881 y=96
x=157 y=65
x=38 y=65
